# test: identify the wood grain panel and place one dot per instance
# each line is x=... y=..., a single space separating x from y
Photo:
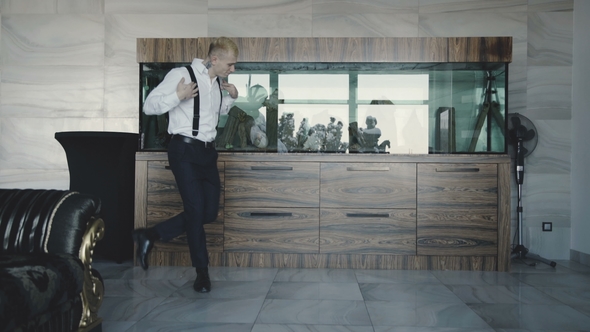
x=368 y=185
x=406 y=262
x=362 y=231
x=457 y=185
x=276 y=260
x=163 y=197
x=338 y=49
x=423 y=49
x=349 y=158
x=272 y=184
x=457 y=209
x=504 y=211
x=457 y=232
x=372 y=262
x=272 y=230
x=480 y=49
x=171 y=49
x=364 y=262
x=164 y=202
x=477 y=216
x=465 y=263
x=214 y=234
x=174 y=254
x=141 y=185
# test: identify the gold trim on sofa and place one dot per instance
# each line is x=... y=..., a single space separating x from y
x=93 y=291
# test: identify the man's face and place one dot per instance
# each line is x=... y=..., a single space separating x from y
x=223 y=65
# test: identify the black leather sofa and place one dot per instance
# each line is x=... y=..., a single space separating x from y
x=46 y=279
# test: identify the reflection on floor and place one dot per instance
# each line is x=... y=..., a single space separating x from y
x=529 y=298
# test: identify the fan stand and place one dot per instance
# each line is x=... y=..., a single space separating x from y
x=520 y=251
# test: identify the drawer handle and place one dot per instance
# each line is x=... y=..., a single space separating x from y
x=271 y=214
x=374 y=169
x=367 y=215
x=271 y=168
x=458 y=169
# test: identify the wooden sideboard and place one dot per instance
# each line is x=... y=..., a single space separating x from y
x=365 y=211
x=343 y=211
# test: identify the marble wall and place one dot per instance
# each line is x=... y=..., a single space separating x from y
x=69 y=65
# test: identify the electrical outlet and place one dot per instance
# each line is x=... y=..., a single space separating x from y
x=547 y=226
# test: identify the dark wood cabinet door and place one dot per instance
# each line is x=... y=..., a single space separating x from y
x=457 y=209
x=363 y=231
x=368 y=185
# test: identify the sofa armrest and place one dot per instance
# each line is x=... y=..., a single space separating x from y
x=93 y=290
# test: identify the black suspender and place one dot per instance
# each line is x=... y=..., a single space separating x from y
x=197 y=106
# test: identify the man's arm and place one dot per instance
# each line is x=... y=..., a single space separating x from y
x=169 y=93
x=228 y=101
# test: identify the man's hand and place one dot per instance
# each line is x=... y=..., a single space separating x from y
x=186 y=91
x=233 y=91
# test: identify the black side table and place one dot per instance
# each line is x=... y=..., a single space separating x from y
x=103 y=164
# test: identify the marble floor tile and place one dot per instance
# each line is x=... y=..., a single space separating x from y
x=420 y=293
x=316 y=275
x=242 y=274
x=334 y=312
x=519 y=267
x=429 y=329
x=573 y=266
x=110 y=270
x=151 y=326
x=527 y=299
x=309 y=328
x=569 y=296
x=532 y=316
x=472 y=278
x=585 y=309
x=501 y=294
x=556 y=280
x=315 y=291
x=186 y=310
x=127 y=271
x=387 y=313
x=227 y=290
x=117 y=326
x=141 y=287
x=127 y=308
x=396 y=276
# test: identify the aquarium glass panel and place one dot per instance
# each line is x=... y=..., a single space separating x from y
x=392 y=108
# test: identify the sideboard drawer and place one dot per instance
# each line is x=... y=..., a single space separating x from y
x=362 y=231
x=272 y=230
x=368 y=185
x=164 y=202
x=272 y=184
x=163 y=198
x=457 y=185
x=457 y=209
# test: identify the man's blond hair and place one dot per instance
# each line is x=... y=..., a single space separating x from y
x=223 y=46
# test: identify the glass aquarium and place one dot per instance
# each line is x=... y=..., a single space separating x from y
x=395 y=108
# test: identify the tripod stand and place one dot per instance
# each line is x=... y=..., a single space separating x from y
x=490 y=109
x=520 y=251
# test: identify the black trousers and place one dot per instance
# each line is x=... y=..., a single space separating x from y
x=195 y=171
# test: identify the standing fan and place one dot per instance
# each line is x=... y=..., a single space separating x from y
x=522 y=140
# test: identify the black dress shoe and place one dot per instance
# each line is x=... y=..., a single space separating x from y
x=202 y=283
x=144 y=239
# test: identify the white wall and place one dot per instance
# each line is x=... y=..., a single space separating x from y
x=581 y=129
x=69 y=65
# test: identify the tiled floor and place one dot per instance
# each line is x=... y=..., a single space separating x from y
x=528 y=298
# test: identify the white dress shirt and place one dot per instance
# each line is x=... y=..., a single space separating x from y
x=164 y=99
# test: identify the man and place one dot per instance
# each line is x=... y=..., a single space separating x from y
x=191 y=151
